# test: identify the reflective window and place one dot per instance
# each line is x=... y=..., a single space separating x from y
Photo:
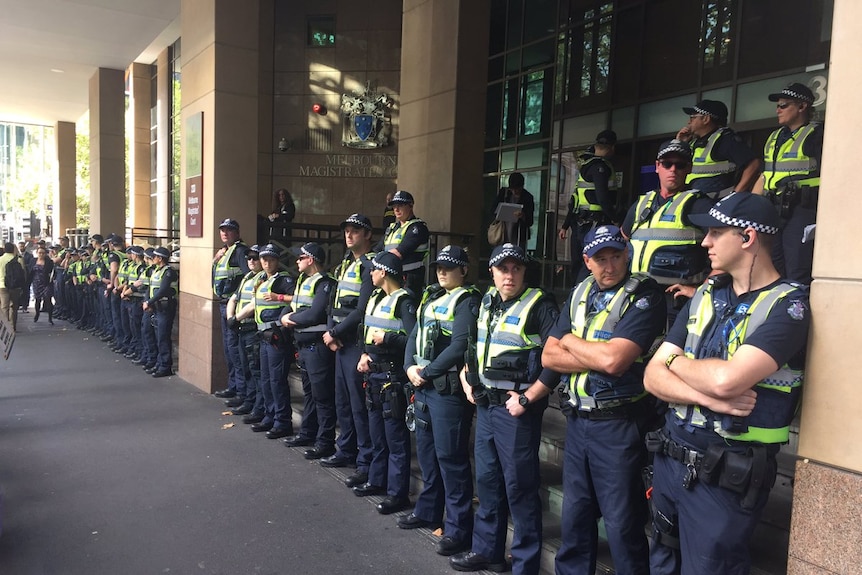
x=718 y=39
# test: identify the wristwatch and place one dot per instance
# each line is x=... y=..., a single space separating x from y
x=523 y=400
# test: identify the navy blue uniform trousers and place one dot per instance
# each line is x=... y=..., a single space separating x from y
x=231 y=346
x=165 y=313
x=390 y=443
x=276 y=391
x=714 y=530
x=602 y=468
x=354 y=441
x=319 y=369
x=249 y=343
x=507 y=468
x=442 y=447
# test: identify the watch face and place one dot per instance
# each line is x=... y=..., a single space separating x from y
x=523 y=400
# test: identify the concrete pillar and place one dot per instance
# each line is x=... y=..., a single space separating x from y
x=107 y=152
x=220 y=79
x=140 y=104
x=444 y=70
x=64 y=214
x=825 y=528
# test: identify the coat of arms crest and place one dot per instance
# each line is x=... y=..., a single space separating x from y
x=366 y=121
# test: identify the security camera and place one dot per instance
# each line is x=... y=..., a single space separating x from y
x=282 y=145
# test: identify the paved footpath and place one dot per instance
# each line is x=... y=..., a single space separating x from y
x=105 y=470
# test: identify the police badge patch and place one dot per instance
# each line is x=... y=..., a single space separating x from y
x=642 y=303
x=796 y=310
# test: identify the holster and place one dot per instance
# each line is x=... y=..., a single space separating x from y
x=393 y=395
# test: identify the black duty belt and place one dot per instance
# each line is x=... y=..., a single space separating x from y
x=619 y=412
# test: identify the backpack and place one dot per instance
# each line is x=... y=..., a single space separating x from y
x=15 y=277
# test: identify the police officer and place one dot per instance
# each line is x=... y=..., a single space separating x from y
x=511 y=397
x=150 y=349
x=272 y=294
x=603 y=337
x=665 y=245
x=389 y=316
x=99 y=278
x=353 y=445
x=731 y=369
x=446 y=321
x=593 y=201
x=228 y=268
x=722 y=162
x=307 y=319
x=131 y=297
x=162 y=299
x=253 y=405
x=116 y=268
x=791 y=179
x=407 y=238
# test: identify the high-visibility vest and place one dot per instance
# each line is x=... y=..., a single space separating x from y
x=777 y=394
x=789 y=163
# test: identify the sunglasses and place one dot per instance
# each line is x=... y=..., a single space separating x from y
x=252 y=258
x=667 y=164
x=783 y=105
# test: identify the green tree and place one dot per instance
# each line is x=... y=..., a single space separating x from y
x=82 y=181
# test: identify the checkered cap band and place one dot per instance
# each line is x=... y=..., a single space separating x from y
x=741 y=223
x=789 y=93
x=455 y=257
x=703 y=112
x=162 y=252
x=508 y=251
x=357 y=220
x=675 y=147
x=384 y=267
x=307 y=253
x=269 y=250
x=616 y=238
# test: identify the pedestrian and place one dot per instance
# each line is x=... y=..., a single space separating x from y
x=42 y=279
x=607 y=328
x=9 y=294
x=731 y=369
x=722 y=162
x=593 y=201
x=446 y=322
x=389 y=316
x=791 y=179
x=510 y=397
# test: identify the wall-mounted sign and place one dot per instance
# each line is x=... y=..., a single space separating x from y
x=194 y=147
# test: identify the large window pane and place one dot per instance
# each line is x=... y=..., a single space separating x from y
x=670 y=48
x=539 y=19
x=718 y=40
x=665 y=116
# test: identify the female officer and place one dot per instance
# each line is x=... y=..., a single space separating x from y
x=389 y=316
x=435 y=354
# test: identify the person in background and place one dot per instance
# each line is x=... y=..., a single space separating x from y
x=518 y=232
x=593 y=201
x=9 y=296
x=27 y=261
x=282 y=214
x=791 y=179
x=42 y=280
x=407 y=238
x=388 y=213
x=722 y=162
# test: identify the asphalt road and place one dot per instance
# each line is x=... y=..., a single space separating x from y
x=105 y=470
